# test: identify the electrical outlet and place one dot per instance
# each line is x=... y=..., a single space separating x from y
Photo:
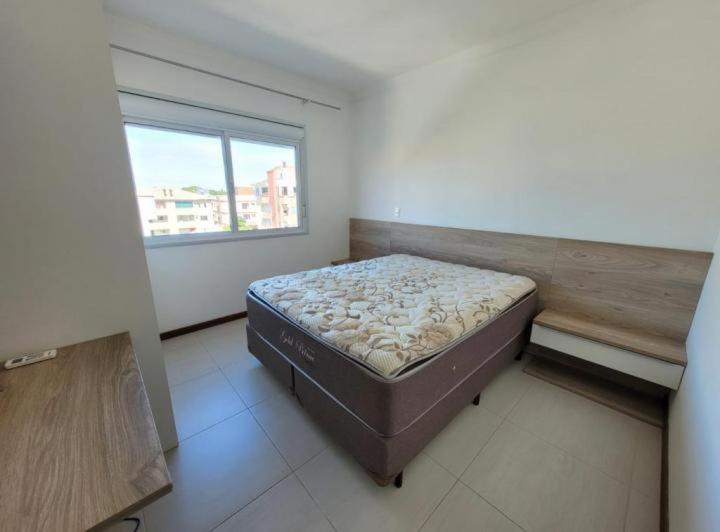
x=396 y=212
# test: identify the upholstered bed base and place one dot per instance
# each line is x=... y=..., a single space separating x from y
x=384 y=423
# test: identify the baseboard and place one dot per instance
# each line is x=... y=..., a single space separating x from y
x=202 y=325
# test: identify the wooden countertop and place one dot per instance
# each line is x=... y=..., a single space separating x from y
x=659 y=347
x=78 y=444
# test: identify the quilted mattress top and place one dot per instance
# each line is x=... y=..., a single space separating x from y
x=392 y=312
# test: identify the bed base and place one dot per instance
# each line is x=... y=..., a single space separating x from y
x=382 y=448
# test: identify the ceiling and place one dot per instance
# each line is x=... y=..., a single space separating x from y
x=346 y=43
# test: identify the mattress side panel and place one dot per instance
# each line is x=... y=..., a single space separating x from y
x=430 y=382
x=367 y=395
x=390 y=406
x=387 y=456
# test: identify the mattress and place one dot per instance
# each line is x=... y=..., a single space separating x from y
x=385 y=407
x=392 y=313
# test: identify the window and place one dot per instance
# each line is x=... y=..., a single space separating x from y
x=270 y=167
x=220 y=178
x=185 y=166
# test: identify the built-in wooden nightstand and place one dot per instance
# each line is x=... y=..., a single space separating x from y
x=649 y=357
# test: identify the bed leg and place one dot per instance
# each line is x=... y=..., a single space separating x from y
x=399 y=480
x=476 y=400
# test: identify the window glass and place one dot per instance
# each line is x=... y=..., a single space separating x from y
x=179 y=180
x=264 y=174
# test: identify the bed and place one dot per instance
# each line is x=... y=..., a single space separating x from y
x=385 y=352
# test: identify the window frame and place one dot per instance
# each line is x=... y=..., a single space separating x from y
x=226 y=136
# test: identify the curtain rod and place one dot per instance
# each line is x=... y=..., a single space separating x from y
x=223 y=76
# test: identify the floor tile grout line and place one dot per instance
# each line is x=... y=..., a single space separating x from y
x=326 y=436
x=217 y=367
x=218 y=364
x=270 y=440
x=290 y=469
x=437 y=463
x=442 y=499
x=544 y=441
x=245 y=407
x=263 y=492
x=213 y=425
x=233 y=389
x=556 y=446
x=191 y=379
x=481 y=448
x=317 y=503
x=210 y=350
x=502 y=420
x=630 y=487
x=237 y=391
x=519 y=400
x=570 y=453
x=491 y=504
x=459 y=478
x=311 y=458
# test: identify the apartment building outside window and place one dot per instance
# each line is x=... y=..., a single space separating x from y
x=196 y=183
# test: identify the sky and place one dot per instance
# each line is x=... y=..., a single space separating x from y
x=178 y=159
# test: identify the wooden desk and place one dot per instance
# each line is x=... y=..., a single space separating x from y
x=78 y=444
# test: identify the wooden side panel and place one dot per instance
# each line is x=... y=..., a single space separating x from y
x=531 y=256
x=369 y=238
x=654 y=290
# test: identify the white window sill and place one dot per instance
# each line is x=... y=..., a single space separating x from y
x=153 y=242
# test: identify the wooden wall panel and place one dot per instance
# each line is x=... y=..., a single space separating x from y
x=649 y=290
x=519 y=254
x=654 y=290
x=369 y=238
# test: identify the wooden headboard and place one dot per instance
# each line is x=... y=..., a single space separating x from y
x=655 y=290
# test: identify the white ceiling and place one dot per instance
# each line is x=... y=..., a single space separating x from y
x=346 y=43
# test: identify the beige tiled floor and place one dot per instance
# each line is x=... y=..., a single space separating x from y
x=531 y=457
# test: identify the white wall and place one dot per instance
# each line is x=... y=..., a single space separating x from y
x=197 y=283
x=72 y=266
x=694 y=436
x=599 y=124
